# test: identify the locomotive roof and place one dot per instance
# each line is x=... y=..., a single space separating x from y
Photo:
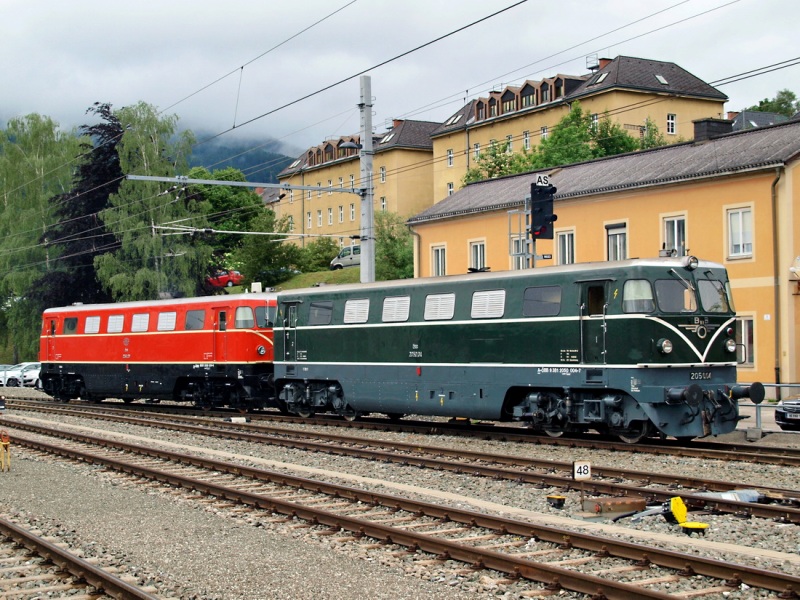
x=577 y=270
x=164 y=303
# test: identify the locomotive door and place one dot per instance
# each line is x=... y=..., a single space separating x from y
x=593 y=321
x=290 y=331
x=50 y=342
x=220 y=334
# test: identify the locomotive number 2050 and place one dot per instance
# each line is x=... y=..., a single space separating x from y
x=700 y=375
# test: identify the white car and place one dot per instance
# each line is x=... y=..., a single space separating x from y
x=26 y=374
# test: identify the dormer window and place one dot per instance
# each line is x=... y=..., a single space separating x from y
x=600 y=78
x=387 y=138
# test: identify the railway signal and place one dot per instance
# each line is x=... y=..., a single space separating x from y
x=542 y=216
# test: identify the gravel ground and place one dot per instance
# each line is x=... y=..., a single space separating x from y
x=192 y=550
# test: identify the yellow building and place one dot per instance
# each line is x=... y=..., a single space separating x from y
x=726 y=197
x=629 y=90
x=402 y=181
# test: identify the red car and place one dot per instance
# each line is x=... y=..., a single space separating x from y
x=223 y=278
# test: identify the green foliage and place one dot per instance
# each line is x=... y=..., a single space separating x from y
x=570 y=141
x=148 y=264
x=652 y=137
x=394 y=249
x=36 y=163
x=610 y=138
x=317 y=255
x=266 y=258
x=785 y=103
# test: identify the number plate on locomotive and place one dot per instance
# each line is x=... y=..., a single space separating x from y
x=700 y=375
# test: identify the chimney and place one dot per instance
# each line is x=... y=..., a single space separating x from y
x=732 y=115
x=604 y=62
x=396 y=122
x=706 y=129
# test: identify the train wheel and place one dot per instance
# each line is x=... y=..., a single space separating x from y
x=554 y=433
x=636 y=433
x=351 y=415
x=127 y=400
x=305 y=412
x=395 y=416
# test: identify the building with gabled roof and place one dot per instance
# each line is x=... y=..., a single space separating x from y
x=627 y=89
x=402 y=180
x=733 y=198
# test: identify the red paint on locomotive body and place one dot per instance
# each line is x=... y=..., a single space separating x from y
x=213 y=350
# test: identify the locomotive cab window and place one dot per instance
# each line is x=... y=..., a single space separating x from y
x=637 y=296
x=195 y=319
x=713 y=296
x=674 y=296
x=266 y=315
x=320 y=313
x=243 y=318
x=543 y=301
x=70 y=325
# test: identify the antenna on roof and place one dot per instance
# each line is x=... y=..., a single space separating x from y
x=592 y=62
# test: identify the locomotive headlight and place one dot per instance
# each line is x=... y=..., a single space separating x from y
x=730 y=345
x=691 y=263
x=261 y=350
x=664 y=346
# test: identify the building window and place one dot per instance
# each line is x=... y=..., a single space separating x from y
x=291 y=196
x=383 y=174
x=544 y=132
x=330 y=216
x=450 y=188
x=671 y=123
x=449 y=157
x=291 y=224
x=740 y=232
x=383 y=203
x=308 y=194
x=319 y=192
x=595 y=121
x=341 y=214
x=518 y=249
x=675 y=236
x=352 y=212
x=352 y=182
x=617 y=236
x=509 y=144
x=308 y=214
x=509 y=106
x=565 y=247
x=477 y=255
x=438 y=261
x=330 y=187
x=745 y=346
x=476 y=151
x=526 y=140
x=527 y=100
x=319 y=218
x=341 y=182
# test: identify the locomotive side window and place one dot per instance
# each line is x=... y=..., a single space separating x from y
x=712 y=296
x=140 y=322
x=320 y=312
x=243 y=318
x=674 y=296
x=70 y=325
x=115 y=323
x=266 y=315
x=637 y=296
x=395 y=309
x=544 y=301
x=488 y=304
x=356 y=311
x=596 y=296
x=166 y=321
x=440 y=307
x=92 y=325
x=195 y=319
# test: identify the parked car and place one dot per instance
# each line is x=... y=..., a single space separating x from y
x=26 y=374
x=350 y=256
x=225 y=278
x=787 y=414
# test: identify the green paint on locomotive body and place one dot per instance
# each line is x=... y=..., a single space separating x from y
x=475 y=345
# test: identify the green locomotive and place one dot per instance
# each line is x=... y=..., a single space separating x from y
x=632 y=348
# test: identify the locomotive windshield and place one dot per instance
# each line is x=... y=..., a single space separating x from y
x=714 y=296
x=675 y=296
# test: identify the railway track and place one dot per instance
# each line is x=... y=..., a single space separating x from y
x=705 y=449
x=33 y=567
x=556 y=558
x=779 y=504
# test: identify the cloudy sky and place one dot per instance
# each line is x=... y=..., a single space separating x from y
x=251 y=63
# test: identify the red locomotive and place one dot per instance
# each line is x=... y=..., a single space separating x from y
x=213 y=351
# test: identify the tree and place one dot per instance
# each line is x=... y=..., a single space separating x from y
x=610 y=138
x=317 y=255
x=652 y=137
x=78 y=236
x=784 y=103
x=36 y=163
x=148 y=264
x=394 y=249
x=267 y=258
x=570 y=142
